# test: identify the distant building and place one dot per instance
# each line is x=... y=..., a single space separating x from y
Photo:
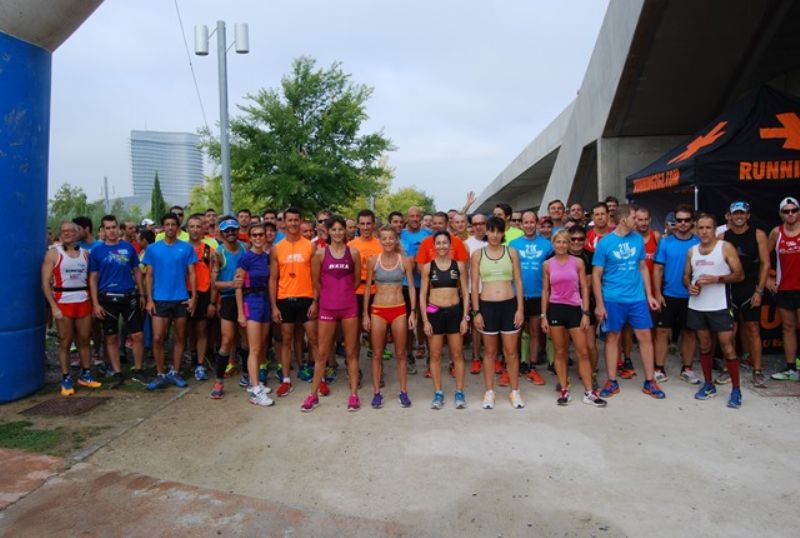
x=175 y=156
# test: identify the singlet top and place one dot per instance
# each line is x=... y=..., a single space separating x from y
x=746 y=246
x=650 y=247
x=71 y=277
x=227 y=270
x=444 y=279
x=712 y=297
x=389 y=276
x=499 y=270
x=336 y=289
x=787 y=271
x=294 y=268
x=565 y=284
x=256 y=274
x=202 y=269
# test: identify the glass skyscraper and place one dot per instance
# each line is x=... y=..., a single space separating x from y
x=175 y=156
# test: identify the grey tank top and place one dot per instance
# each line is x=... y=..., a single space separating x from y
x=389 y=276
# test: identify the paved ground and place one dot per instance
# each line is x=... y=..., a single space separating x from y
x=640 y=467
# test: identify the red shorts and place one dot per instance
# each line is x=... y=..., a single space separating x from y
x=389 y=313
x=76 y=310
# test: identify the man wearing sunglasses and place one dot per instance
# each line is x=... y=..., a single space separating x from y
x=785 y=239
x=672 y=295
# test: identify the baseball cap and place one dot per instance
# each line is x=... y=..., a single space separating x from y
x=740 y=206
x=545 y=219
x=228 y=224
x=147 y=222
x=789 y=200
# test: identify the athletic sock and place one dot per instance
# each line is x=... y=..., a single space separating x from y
x=64 y=377
x=706 y=362
x=222 y=364
x=733 y=370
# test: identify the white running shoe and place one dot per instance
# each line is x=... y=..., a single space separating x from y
x=488 y=400
x=259 y=397
x=516 y=399
x=690 y=377
x=661 y=376
x=265 y=388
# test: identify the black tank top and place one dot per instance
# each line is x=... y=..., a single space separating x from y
x=444 y=279
x=746 y=246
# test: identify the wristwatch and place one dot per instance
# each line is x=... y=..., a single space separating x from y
x=475 y=313
x=542 y=316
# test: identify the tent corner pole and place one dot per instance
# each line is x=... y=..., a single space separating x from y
x=696 y=198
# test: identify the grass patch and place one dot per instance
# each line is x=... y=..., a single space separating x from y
x=21 y=435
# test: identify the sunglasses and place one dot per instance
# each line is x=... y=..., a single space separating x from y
x=516 y=220
x=231 y=231
x=789 y=211
x=320 y=221
x=577 y=239
x=257 y=235
x=683 y=220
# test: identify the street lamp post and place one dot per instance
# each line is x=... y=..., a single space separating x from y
x=242 y=43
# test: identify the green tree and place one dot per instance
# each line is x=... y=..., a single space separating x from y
x=302 y=145
x=209 y=194
x=158 y=206
x=402 y=199
x=70 y=202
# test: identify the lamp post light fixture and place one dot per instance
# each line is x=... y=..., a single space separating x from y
x=242 y=46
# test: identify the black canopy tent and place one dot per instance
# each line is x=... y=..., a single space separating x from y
x=751 y=152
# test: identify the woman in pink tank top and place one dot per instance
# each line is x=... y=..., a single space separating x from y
x=565 y=316
x=336 y=270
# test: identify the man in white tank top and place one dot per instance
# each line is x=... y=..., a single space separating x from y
x=710 y=267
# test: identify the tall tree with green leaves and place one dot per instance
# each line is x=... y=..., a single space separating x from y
x=158 y=206
x=302 y=145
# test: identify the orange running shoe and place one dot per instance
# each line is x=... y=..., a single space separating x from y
x=498 y=367
x=535 y=377
x=504 y=380
x=476 y=367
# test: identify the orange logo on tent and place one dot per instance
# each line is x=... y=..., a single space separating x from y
x=700 y=142
x=790 y=131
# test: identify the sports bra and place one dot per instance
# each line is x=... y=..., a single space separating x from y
x=499 y=270
x=444 y=279
x=389 y=276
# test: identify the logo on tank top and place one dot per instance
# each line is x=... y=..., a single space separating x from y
x=339 y=266
x=296 y=257
x=624 y=251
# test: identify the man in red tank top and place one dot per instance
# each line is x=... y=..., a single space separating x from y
x=785 y=239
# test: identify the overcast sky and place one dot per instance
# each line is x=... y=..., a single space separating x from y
x=460 y=86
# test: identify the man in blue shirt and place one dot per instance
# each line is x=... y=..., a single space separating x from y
x=410 y=239
x=533 y=251
x=115 y=281
x=672 y=295
x=169 y=263
x=621 y=285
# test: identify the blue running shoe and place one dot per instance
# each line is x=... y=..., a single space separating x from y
x=67 y=386
x=611 y=388
x=158 y=382
x=263 y=374
x=176 y=379
x=404 y=400
x=708 y=390
x=438 y=400
x=244 y=381
x=306 y=373
x=377 y=401
x=461 y=401
x=330 y=376
x=86 y=379
x=651 y=388
x=735 y=401
x=200 y=373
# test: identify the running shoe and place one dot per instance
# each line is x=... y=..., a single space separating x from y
x=387 y=355
x=67 y=386
x=412 y=364
x=438 y=400
x=628 y=371
x=377 y=400
x=324 y=389
x=263 y=373
x=86 y=379
x=610 y=389
x=661 y=376
x=158 y=382
x=592 y=398
x=309 y=403
x=723 y=379
x=504 y=380
x=340 y=350
x=461 y=401
x=330 y=375
x=451 y=369
x=218 y=391
x=138 y=376
x=404 y=400
x=353 y=403
x=200 y=373
x=651 y=388
x=117 y=380
x=759 y=379
x=708 y=390
x=231 y=369
x=689 y=376
x=427 y=373
x=516 y=399
x=564 y=397
x=244 y=381
x=476 y=367
x=488 y=400
x=284 y=389
x=306 y=373
x=735 y=401
x=786 y=375
x=498 y=367
x=260 y=398
x=176 y=379
x=535 y=377
x=265 y=388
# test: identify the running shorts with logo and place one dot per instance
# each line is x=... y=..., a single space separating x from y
x=124 y=304
x=564 y=315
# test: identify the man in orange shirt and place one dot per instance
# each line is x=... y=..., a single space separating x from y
x=427 y=252
x=292 y=292
x=205 y=271
x=368 y=246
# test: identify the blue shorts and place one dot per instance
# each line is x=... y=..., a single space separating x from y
x=637 y=315
x=256 y=309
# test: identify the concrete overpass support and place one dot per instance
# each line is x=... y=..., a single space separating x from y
x=619 y=156
x=30 y=30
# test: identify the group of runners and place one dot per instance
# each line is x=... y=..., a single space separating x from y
x=239 y=289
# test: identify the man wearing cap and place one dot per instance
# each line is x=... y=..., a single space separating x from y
x=545 y=227
x=751 y=246
x=148 y=224
x=785 y=239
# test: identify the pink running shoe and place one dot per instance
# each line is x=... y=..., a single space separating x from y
x=353 y=404
x=309 y=403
